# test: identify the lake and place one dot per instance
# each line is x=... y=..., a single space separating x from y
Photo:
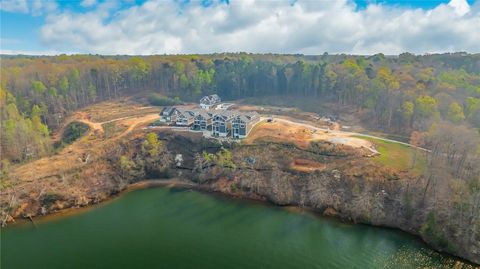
x=174 y=228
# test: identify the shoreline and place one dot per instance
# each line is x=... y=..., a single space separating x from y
x=176 y=183
x=74 y=210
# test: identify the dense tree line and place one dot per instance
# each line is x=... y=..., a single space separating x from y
x=401 y=94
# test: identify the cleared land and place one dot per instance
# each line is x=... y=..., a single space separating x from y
x=399 y=156
x=110 y=121
x=56 y=172
x=302 y=135
x=118 y=109
x=78 y=170
x=386 y=152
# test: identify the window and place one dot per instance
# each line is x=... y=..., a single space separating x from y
x=242 y=125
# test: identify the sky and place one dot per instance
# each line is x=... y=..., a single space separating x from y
x=144 y=27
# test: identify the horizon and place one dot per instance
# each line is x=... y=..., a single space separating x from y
x=240 y=53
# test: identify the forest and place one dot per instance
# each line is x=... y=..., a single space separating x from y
x=435 y=98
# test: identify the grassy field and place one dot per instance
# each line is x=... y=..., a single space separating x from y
x=398 y=156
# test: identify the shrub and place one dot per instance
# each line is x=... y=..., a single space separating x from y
x=50 y=198
x=72 y=132
x=432 y=231
x=160 y=100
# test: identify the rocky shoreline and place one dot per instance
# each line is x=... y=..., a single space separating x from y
x=215 y=189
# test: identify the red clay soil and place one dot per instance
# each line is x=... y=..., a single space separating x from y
x=305 y=165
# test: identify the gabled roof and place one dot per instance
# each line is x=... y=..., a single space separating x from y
x=204 y=114
x=252 y=115
x=226 y=114
x=215 y=97
x=169 y=110
x=246 y=117
x=210 y=99
x=186 y=112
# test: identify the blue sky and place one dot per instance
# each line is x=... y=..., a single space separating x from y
x=157 y=27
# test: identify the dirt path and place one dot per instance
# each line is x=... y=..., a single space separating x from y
x=347 y=134
x=94 y=126
x=97 y=126
x=73 y=155
x=135 y=122
x=82 y=117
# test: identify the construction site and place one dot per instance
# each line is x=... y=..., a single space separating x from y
x=80 y=169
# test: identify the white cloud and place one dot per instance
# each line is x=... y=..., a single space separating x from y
x=14 y=6
x=309 y=27
x=35 y=7
x=461 y=6
x=88 y=3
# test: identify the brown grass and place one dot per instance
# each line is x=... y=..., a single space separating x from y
x=66 y=172
x=121 y=108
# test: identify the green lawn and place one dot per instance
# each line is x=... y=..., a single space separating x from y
x=398 y=156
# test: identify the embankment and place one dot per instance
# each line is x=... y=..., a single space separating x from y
x=342 y=185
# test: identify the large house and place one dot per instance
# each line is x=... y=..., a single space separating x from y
x=168 y=114
x=184 y=117
x=242 y=124
x=210 y=101
x=202 y=121
x=222 y=123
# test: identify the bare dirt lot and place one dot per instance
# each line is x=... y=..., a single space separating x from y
x=303 y=134
x=290 y=113
x=114 y=110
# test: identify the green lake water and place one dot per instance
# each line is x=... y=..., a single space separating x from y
x=172 y=228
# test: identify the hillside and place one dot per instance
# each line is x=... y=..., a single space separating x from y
x=336 y=173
